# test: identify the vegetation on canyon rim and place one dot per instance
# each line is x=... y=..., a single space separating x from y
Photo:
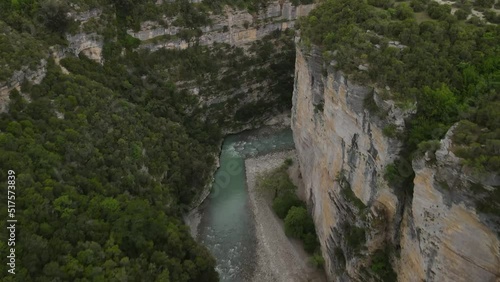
x=420 y=55
x=449 y=66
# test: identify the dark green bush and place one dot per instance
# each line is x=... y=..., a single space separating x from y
x=382 y=267
x=310 y=242
x=438 y=11
x=355 y=237
x=404 y=11
x=484 y=3
x=492 y=16
x=318 y=260
x=297 y=222
x=283 y=203
x=418 y=5
x=461 y=14
x=381 y=3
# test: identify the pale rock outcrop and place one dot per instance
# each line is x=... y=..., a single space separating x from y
x=89 y=45
x=84 y=16
x=234 y=27
x=445 y=238
x=33 y=76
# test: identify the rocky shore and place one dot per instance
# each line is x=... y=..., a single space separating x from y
x=279 y=258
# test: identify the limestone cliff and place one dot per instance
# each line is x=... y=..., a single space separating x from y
x=34 y=76
x=342 y=154
x=234 y=27
x=446 y=237
x=432 y=235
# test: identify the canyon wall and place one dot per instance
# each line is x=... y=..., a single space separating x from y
x=234 y=27
x=446 y=236
x=343 y=154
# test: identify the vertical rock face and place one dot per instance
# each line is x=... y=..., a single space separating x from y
x=434 y=235
x=342 y=155
x=445 y=238
x=234 y=27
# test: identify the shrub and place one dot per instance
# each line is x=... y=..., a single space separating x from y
x=355 y=237
x=417 y=5
x=492 y=16
x=437 y=11
x=294 y=222
x=404 y=11
x=130 y=42
x=381 y=3
x=278 y=182
x=318 y=260
x=484 y=3
x=283 y=203
x=397 y=172
x=382 y=267
x=476 y=144
x=474 y=20
x=318 y=108
x=298 y=222
x=430 y=146
x=53 y=13
x=310 y=242
x=461 y=14
x=390 y=130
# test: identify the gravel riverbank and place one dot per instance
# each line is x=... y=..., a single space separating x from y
x=279 y=258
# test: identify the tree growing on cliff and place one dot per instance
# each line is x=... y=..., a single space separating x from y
x=295 y=222
x=298 y=222
x=277 y=181
x=282 y=204
x=53 y=13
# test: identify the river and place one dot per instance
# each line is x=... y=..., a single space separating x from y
x=227 y=226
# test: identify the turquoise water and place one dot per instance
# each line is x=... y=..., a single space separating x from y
x=227 y=226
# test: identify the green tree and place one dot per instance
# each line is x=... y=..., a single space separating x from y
x=297 y=222
x=283 y=203
x=404 y=11
x=53 y=14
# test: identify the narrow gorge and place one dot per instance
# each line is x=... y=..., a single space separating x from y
x=140 y=131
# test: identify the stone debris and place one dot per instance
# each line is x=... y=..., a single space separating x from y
x=279 y=258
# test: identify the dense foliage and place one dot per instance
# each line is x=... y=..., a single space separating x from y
x=266 y=69
x=102 y=181
x=451 y=68
x=18 y=50
x=108 y=157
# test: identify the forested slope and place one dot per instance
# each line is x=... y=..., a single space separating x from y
x=107 y=158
